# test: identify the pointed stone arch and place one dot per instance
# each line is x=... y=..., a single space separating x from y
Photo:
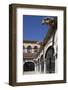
x=50 y=60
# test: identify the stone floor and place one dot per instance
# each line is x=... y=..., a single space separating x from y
x=31 y=72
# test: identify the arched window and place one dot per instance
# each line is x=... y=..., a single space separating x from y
x=49 y=52
x=35 y=49
x=29 y=49
x=50 y=60
x=24 y=49
x=29 y=66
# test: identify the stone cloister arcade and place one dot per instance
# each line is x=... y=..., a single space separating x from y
x=45 y=58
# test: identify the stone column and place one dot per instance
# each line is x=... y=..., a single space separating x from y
x=35 y=67
x=44 y=67
x=40 y=67
x=56 y=65
x=32 y=50
x=26 y=50
x=44 y=60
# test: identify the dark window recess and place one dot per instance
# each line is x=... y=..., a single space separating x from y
x=29 y=49
x=50 y=60
x=35 y=49
x=42 y=64
x=29 y=66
